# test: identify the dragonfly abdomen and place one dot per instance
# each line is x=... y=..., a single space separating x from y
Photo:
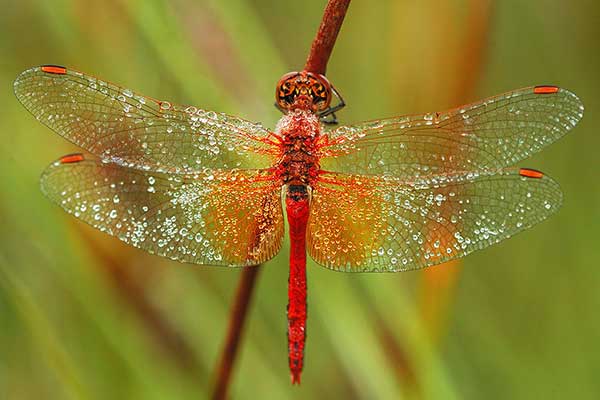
x=297 y=209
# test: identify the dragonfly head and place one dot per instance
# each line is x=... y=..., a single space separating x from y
x=304 y=90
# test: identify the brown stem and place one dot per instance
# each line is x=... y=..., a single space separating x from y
x=322 y=45
x=234 y=331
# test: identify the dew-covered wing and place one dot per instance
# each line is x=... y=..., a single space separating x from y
x=226 y=218
x=487 y=135
x=363 y=224
x=126 y=128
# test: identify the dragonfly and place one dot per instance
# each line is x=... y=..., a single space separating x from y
x=387 y=195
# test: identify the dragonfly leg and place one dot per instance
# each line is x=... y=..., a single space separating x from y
x=332 y=110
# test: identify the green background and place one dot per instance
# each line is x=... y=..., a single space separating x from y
x=84 y=316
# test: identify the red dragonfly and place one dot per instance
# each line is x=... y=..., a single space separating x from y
x=387 y=195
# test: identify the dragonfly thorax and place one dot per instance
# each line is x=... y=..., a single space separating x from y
x=300 y=131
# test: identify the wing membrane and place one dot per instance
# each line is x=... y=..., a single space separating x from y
x=137 y=131
x=491 y=134
x=229 y=219
x=364 y=224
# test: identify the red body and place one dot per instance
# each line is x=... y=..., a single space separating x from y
x=297 y=214
x=298 y=166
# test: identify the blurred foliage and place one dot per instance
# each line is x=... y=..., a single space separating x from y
x=84 y=316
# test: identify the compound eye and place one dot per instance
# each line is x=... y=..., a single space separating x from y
x=319 y=90
x=285 y=94
x=321 y=96
x=285 y=89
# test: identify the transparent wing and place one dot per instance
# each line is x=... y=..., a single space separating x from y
x=137 y=131
x=491 y=134
x=363 y=224
x=229 y=219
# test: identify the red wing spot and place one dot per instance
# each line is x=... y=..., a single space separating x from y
x=530 y=173
x=54 y=69
x=71 y=158
x=545 y=89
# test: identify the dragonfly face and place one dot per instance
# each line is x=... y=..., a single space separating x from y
x=304 y=90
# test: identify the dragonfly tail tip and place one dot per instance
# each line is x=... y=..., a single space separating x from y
x=295 y=375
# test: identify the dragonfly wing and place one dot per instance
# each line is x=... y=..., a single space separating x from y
x=491 y=134
x=123 y=127
x=363 y=224
x=229 y=219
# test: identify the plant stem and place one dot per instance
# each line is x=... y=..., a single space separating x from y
x=234 y=331
x=322 y=45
